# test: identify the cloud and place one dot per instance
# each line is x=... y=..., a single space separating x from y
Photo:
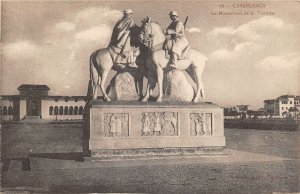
x=253 y=30
x=97 y=15
x=238 y=51
x=64 y=50
x=259 y=57
x=20 y=60
x=279 y=74
x=278 y=63
x=95 y=34
x=89 y=27
x=194 y=30
x=221 y=31
x=251 y=38
x=20 y=49
x=221 y=54
x=247 y=47
x=64 y=27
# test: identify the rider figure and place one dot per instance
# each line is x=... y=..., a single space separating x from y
x=176 y=42
x=120 y=39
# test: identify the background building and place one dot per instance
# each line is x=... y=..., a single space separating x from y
x=282 y=105
x=238 y=109
x=269 y=106
x=297 y=102
x=35 y=103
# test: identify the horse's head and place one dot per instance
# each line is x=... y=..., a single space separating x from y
x=151 y=34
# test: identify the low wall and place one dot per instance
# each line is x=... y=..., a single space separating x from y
x=266 y=124
x=64 y=117
x=6 y=118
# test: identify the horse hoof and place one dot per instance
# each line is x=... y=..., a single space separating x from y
x=107 y=99
x=158 y=100
x=94 y=97
x=144 y=99
x=199 y=100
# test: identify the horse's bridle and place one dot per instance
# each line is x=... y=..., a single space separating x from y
x=148 y=39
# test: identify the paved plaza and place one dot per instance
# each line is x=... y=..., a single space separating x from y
x=254 y=161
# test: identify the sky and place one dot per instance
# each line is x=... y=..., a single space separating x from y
x=250 y=57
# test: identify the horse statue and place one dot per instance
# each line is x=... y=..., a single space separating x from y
x=152 y=36
x=101 y=63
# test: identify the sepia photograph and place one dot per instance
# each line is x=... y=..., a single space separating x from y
x=138 y=96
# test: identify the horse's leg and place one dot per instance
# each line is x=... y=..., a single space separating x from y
x=202 y=90
x=200 y=87
x=95 y=92
x=139 y=83
x=104 y=74
x=146 y=97
x=153 y=80
x=195 y=73
x=139 y=87
x=95 y=89
x=94 y=78
x=191 y=72
x=150 y=85
x=160 y=76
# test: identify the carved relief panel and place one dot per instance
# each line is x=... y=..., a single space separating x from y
x=159 y=124
x=200 y=124
x=116 y=124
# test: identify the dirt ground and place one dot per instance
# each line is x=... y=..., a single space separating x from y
x=259 y=161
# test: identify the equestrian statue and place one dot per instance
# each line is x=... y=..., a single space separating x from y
x=170 y=42
x=120 y=55
x=147 y=50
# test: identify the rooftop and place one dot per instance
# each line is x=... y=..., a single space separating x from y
x=34 y=87
x=285 y=96
x=270 y=100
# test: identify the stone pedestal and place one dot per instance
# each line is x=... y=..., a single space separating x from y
x=177 y=87
x=137 y=125
x=122 y=87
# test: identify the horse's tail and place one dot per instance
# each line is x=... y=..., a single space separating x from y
x=92 y=85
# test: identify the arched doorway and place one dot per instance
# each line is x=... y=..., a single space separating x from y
x=33 y=107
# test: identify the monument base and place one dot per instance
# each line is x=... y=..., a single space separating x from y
x=147 y=128
x=145 y=153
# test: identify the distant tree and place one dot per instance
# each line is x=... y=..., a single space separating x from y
x=251 y=113
x=270 y=112
x=243 y=115
x=285 y=114
x=235 y=113
x=258 y=113
x=226 y=112
x=294 y=110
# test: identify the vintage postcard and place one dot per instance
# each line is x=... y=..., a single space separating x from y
x=150 y=96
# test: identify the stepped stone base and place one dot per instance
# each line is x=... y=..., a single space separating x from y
x=144 y=153
x=149 y=126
